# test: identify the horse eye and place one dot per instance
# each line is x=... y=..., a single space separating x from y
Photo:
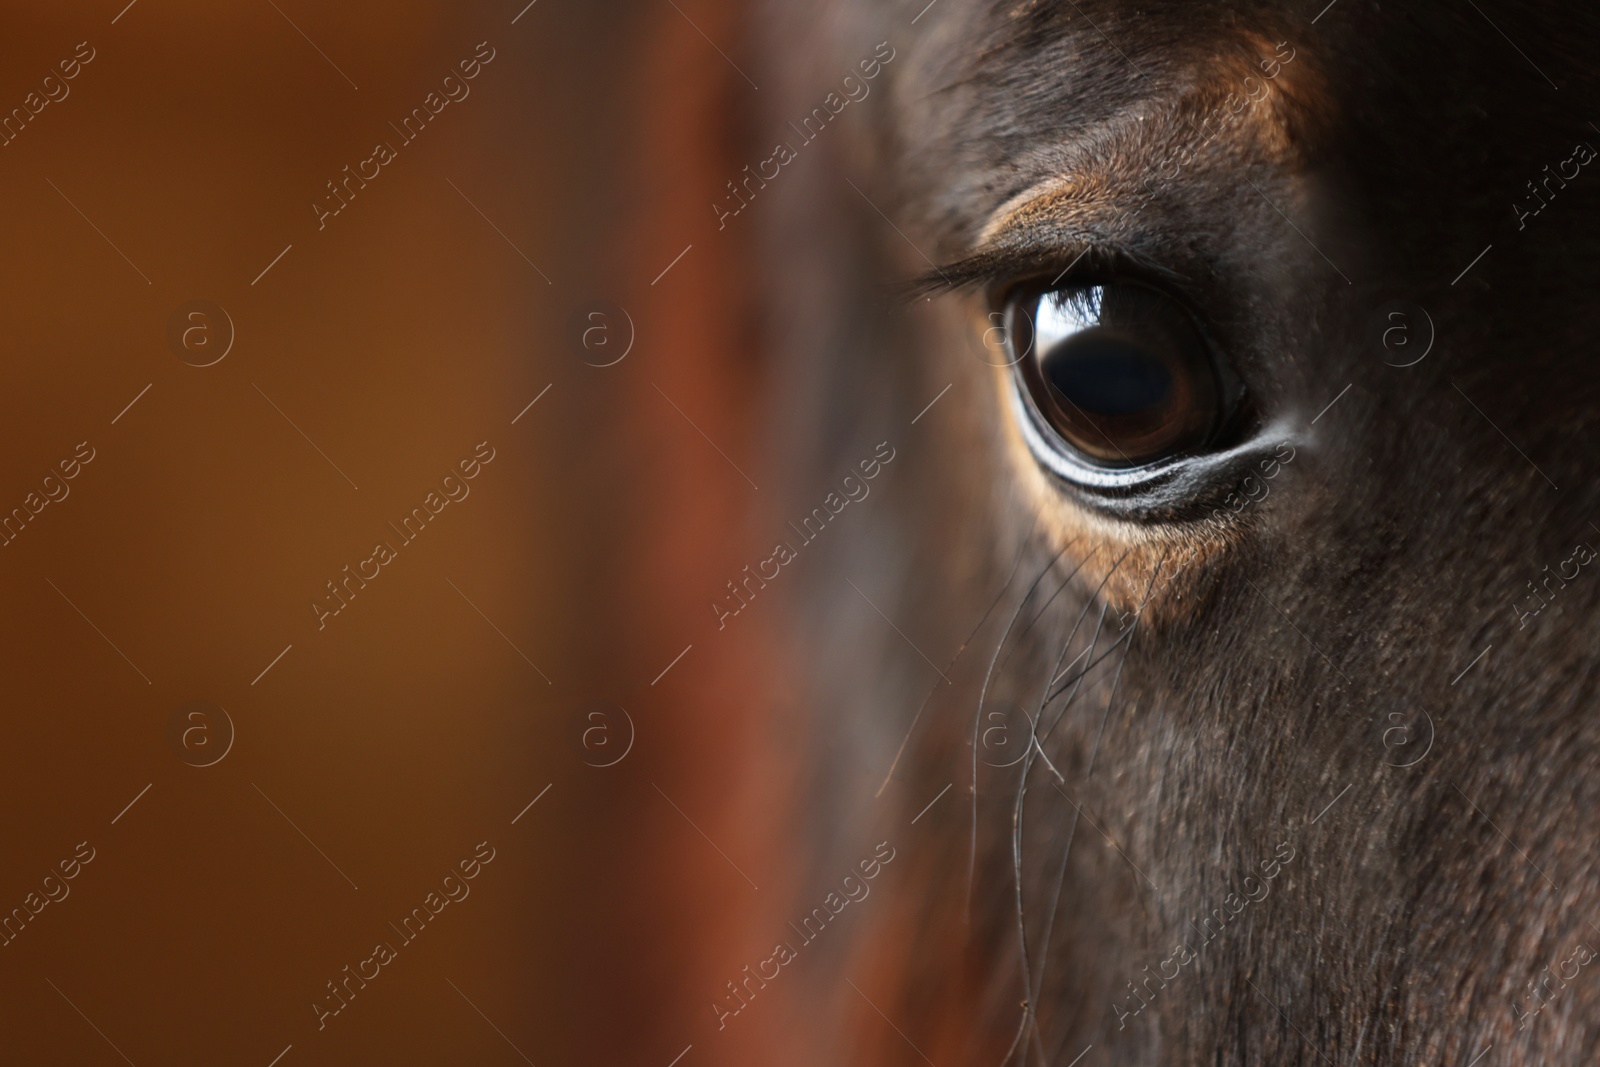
x=1119 y=372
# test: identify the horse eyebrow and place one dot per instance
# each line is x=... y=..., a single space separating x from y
x=1090 y=206
x=1081 y=216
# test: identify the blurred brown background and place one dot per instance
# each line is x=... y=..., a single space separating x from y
x=243 y=858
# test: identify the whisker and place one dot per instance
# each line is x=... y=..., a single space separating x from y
x=1004 y=586
x=1049 y=763
x=1021 y=800
x=1066 y=853
x=1015 y=1038
x=1043 y=608
x=1095 y=751
x=1035 y=988
x=977 y=718
x=1088 y=668
x=1030 y=1015
x=1074 y=660
x=1093 y=644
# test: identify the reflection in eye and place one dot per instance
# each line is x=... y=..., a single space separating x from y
x=1119 y=372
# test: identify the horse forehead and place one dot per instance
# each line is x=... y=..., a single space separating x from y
x=1085 y=104
x=1246 y=108
x=1024 y=74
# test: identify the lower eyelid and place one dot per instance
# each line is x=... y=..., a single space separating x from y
x=1176 y=490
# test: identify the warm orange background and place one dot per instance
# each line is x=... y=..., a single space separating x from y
x=378 y=751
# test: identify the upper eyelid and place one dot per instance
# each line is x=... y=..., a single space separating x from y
x=988 y=267
x=1052 y=261
x=1026 y=238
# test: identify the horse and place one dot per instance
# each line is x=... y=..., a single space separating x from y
x=1211 y=656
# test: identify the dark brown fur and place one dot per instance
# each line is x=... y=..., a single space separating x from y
x=1256 y=687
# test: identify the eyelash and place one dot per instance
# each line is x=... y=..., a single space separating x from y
x=999 y=273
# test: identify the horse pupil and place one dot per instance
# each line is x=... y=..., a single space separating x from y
x=1107 y=376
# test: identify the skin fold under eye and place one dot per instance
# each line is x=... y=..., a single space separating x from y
x=1119 y=372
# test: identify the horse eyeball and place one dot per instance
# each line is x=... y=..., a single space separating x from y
x=1119 y=372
